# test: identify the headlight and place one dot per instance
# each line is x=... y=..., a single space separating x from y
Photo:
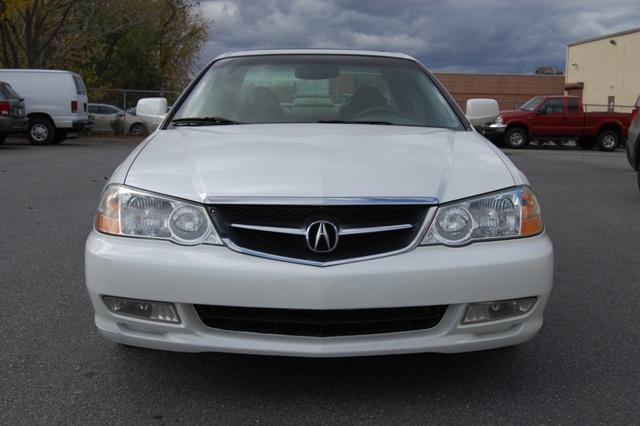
x=134 y=213
x=499 y=120
x=511 y=213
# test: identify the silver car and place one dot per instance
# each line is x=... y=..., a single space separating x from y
x=109 y=118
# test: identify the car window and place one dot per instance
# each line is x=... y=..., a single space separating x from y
x=553 y=105
x=317 y=88
x=103 y=109
x=572 y=105
x=80 y=89
x=7 y=92
x=93 y=109
x=531 y=104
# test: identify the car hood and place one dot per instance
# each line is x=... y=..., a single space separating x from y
x=318 y=160
x=514 y=113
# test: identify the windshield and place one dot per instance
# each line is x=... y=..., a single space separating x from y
x=531 y=104
x=316 y=88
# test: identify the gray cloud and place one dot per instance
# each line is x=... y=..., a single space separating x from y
x=456 y=35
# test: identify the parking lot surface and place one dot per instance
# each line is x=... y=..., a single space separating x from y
x=584 y=366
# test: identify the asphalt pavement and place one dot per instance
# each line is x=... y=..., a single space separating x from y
x=583 y=367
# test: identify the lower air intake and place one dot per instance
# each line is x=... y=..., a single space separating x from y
x=321 y=323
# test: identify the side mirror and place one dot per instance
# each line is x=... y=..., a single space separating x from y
x=151 y=111
x=481 y=111
x=151 y=106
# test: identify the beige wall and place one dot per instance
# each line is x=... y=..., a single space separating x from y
x=606 y=69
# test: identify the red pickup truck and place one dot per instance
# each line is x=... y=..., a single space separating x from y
x=562 y=117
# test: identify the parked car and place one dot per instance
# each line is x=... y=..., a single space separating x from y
x=559 y=118
x=55 y=102
x=633 y=140
x=109 y=118
x=12 y=118
x=390 y=227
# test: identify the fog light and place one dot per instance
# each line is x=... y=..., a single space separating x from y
x=144 y=309
x=491 y=311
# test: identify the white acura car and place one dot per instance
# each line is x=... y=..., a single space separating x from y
x=318 y=203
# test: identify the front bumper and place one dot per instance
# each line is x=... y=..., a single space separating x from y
x=162 y=271
x=78 y=125
x=489 y=130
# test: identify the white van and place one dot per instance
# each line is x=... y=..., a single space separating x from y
x=55 y=102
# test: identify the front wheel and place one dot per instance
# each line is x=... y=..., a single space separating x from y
x=516 y=137
x=40 y=131
x=608 y=140
x=2 y=139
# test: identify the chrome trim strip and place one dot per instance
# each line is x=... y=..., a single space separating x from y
x=372 y=229
x=323 y=201
x=415 y=243
x=291 y=231
x=342 y=231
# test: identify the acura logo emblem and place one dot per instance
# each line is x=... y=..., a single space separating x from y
x=322 y=236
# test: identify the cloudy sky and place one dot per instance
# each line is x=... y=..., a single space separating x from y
x=455 y=35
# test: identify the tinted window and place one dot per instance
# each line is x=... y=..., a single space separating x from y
x=93 y=109
x=109 y=110
x=7 y=92
x=313 y=88
x=553 y=105
x=572 y=105
x=80 y=89
x=532 y=103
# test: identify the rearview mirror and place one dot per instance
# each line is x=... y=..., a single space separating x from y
x=481 y=111
x=316 y=72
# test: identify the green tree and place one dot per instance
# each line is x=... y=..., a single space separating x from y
x=135 y=44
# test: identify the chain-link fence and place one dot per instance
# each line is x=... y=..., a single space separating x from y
x=126 y=99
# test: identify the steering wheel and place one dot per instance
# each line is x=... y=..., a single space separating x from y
x=376 y=111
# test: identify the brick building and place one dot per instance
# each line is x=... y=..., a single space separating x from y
x=510 y=90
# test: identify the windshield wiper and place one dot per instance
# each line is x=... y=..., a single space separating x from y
x=386 y=123
x=202 y=121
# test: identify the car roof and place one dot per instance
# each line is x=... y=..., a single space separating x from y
x=315 y=52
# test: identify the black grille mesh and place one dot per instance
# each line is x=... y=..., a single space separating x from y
x=321 y=323
x=294 y=246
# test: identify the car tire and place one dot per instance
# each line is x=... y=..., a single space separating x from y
x=138 y=129
x=40 y=131
x=2 y=139
x=516 y=137
x=608 y=140
x=60 y=136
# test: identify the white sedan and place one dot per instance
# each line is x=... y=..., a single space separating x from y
x=267 y=216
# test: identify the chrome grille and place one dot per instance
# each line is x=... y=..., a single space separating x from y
x=281 y=231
